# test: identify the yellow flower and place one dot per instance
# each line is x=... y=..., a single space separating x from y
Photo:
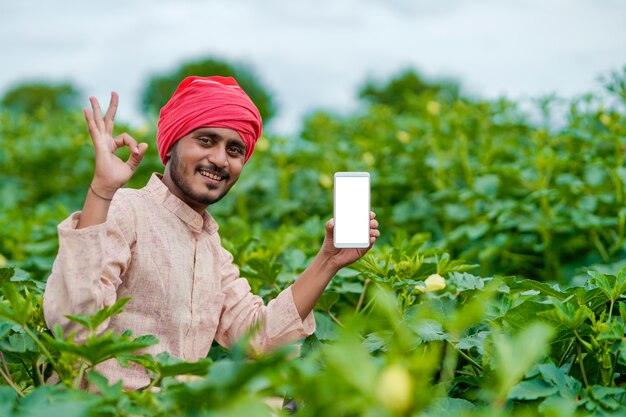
x=262 y=144
x=368 y=158
x=326 y=181
x=605 y=119
x=403 y=137
x=435 y=282
x=433 y=107
x=395 y=388
x=143 y=130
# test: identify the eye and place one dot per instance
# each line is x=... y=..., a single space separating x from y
x=205 y=139
x=236 y=150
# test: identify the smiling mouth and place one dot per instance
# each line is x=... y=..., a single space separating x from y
x=210 y=175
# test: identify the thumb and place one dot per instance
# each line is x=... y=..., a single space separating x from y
x=330 y=225
x=136 y=156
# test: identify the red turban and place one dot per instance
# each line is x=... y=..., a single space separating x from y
x=208 y=102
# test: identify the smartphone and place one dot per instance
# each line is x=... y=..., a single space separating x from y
x=352 y=210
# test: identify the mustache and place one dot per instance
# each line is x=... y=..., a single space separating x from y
x=212 y=168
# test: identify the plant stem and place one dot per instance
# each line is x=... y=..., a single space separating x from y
x=368 y=305
x=335 y=319
x=569 y=347
x=30 y=374
x=43 y=348
x=11 y=383
x=362 y=296
x=450 y=361
x=4 y=363
x=79 y=378
x=582 y=367
x=152 y=384
x=39 y=374
x=466 y=356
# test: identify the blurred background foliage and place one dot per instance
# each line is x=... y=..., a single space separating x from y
x=508 y=189
x=160 y=87
x=30 y=97
x=521 y=194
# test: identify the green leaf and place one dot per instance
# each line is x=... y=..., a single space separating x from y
x=351 y=287
x=619 y=287
x=602 y=282
x=6 y=274
x=53 y=401
x=429 y=330
x=487 y=185
x=374 y=342
x=18 y=343
x=529 y=284
x=622 y=352
x=516 y=318
x=571 y=315
x=102 y=384
x=168 y=365
x=245 y=407
x=607 y=395
x=558 y=406
x=515 y=355
x=615 y=331
x=8 y=398
x=531 y=390
x=558 y=377
x=146 y=360
x=465 y=282
x=20 y=306
x=327 y=300
x=98 y=348
x=5 y=328
x=476 y=340
x=93 y=321
x=450 y=407
x=325 y=328
x=295 y=259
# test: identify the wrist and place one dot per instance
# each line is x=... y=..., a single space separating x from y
x=101 y=191
x=326 y=263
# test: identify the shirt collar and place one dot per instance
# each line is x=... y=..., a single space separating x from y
x=181 y=210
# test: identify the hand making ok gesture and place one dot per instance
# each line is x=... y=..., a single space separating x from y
x=111 y=173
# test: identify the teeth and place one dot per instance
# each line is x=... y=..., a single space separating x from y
x=212 y=176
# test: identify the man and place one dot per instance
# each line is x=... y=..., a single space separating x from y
x=160 y=247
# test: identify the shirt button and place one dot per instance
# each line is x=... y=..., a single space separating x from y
x=198 y=222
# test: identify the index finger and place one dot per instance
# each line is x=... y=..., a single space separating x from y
x=109 y=117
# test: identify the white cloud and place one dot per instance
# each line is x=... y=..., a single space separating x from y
x=316 y=54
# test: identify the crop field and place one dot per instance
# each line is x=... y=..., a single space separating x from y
x=497 y=288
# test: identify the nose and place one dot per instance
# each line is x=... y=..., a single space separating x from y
x=218 y=156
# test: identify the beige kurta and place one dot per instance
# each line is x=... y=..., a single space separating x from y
x=185 y=289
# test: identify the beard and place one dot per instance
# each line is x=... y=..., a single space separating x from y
x=177 y=171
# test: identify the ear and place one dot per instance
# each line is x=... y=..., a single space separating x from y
x=168 y=154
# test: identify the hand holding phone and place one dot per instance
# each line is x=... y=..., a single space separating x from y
x=352 y=210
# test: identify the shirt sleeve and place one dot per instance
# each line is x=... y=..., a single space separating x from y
x=279 y=322
x=87 y=270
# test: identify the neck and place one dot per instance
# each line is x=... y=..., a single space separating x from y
x=173 y=188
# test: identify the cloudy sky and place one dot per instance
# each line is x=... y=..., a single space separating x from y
x=316 y=54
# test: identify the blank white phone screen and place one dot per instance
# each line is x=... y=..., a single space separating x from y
x=352 y=211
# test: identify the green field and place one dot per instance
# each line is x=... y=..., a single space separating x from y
x=520 y=208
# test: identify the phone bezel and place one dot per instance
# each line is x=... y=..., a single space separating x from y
x=369 y=198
